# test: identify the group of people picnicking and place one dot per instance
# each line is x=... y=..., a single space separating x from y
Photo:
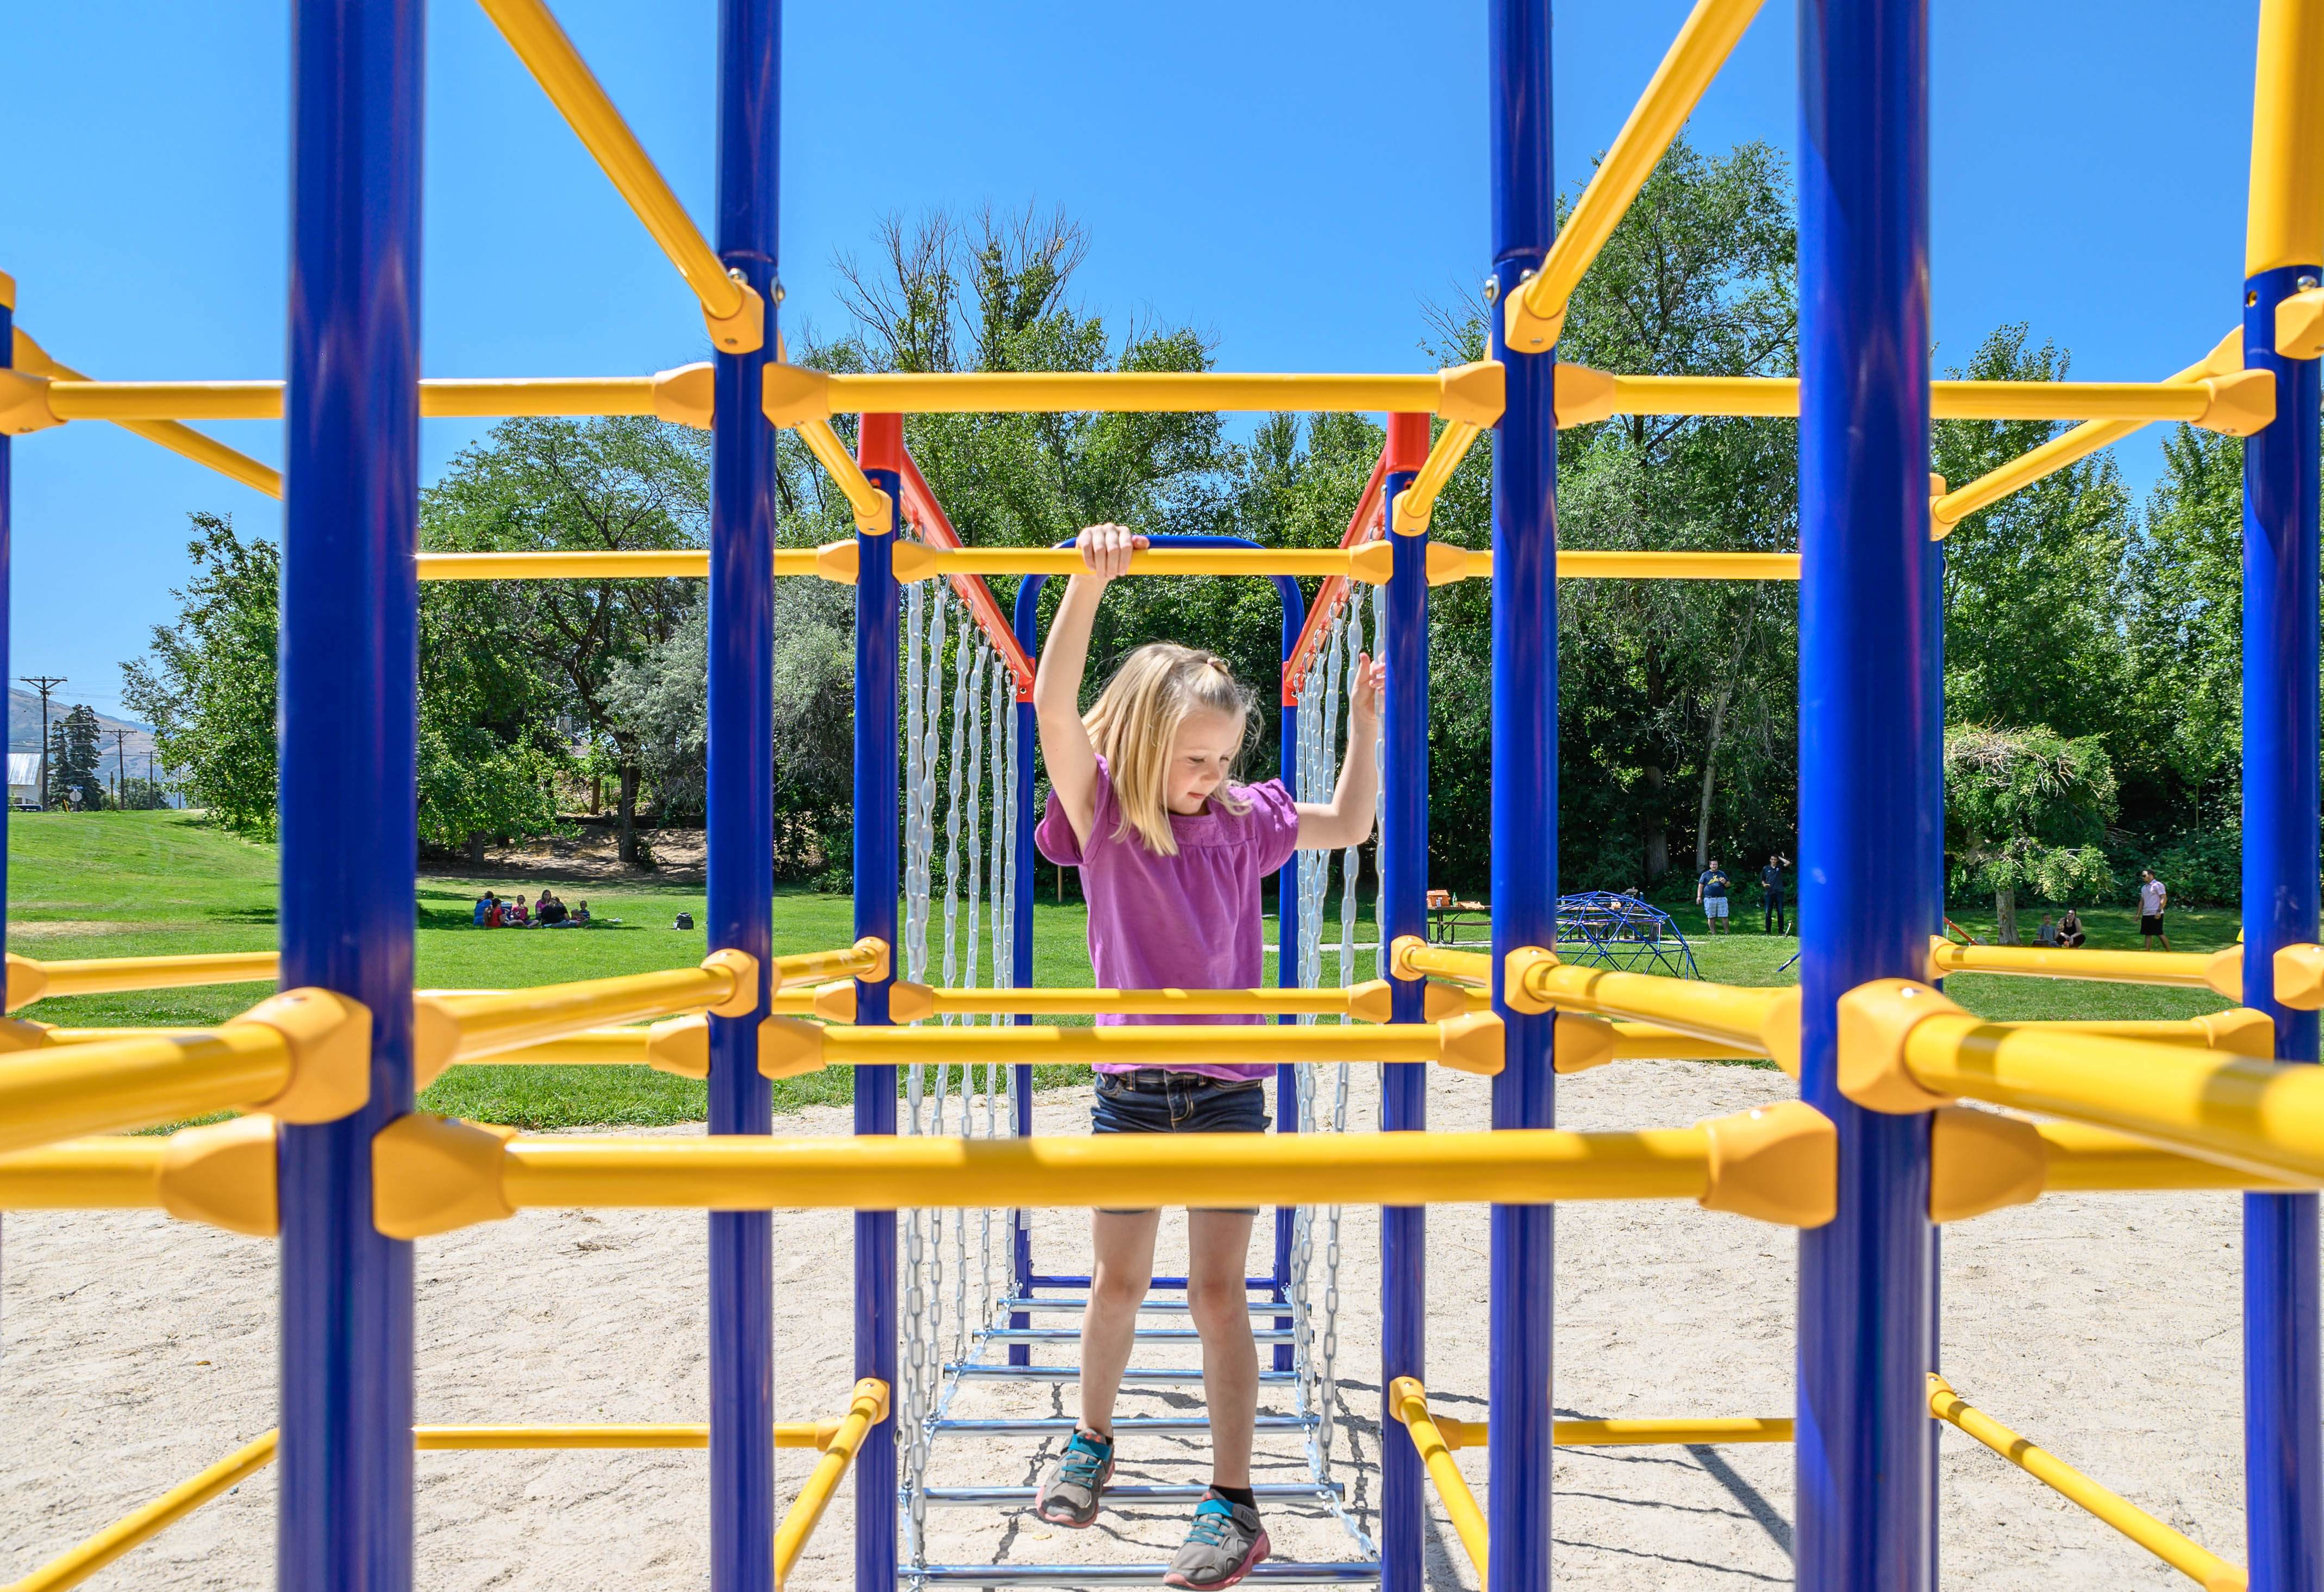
x=1712 y=885
x=517 y=913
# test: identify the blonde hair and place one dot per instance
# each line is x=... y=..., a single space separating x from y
x=1136 y=717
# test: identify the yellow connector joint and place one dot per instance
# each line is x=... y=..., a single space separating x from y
x=2299 y=982
x=1778 y=1163
x=1875 y=1021
x=2300 y=325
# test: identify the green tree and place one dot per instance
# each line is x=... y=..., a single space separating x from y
x=208 y=684
x=2027 y=809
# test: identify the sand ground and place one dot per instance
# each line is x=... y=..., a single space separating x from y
x=138 y=1350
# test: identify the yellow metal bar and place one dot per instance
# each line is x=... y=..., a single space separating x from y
x=1147 y=1045
x=2266 y=1116
x=1724 y=1013
x=487 y=1024
x=1414 y=958
x=451 y=397
x=866 y=959
x=30 y=980
x=676 y=563
x=1948 y=400
x=1633 y=1041
x=63 y=1092
x=1416 y=504
x=1128 y=392
x=72 y=1567
x=2179 y=1551
x=866 y=1410
x=2079 y=1159
x=745 y=1172
x=1643 y=1433
x=2286 y=216
x=534 y=33
x=206 y=451
x=1253 y=561
x=790 y=1434
x=1586 y=565
x=1537 y=311
x=1410 y=1402
x=109 y=1174
x=2189 y=970
x=869 y=503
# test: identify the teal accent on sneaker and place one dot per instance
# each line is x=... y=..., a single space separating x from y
x=1070 y=1493
x=1222 y=1546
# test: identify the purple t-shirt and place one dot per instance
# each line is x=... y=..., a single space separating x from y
x=1189 y=922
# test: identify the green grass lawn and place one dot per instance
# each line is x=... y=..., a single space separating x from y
x=124 y=884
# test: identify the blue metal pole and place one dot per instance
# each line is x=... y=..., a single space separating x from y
x=8 y=552
x=1524 y=800
x=1867 y=880
x=2283 y=1407
x=739 y=913
x=1403 y=909
x=1287 y=958
x=1025 y=618
x=878 y=882
x=348 y=776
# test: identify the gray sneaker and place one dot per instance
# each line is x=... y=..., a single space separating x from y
x=1223 y=1544
x=1069 y=1494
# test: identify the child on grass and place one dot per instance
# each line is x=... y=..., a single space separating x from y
x=1142 y=800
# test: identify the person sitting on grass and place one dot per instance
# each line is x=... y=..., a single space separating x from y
x=517 y=915
x=549 y=910
x=2047 y=935
x=581 y=915
x=2072 y=936
x=488 y=912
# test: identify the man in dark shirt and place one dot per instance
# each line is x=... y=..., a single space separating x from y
x=1771 y=895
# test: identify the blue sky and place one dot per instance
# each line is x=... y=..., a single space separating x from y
x=1298 y=179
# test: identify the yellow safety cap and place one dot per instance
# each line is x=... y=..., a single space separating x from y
x=873 y=946
x=28 y=981
x=788 y=1048
x=435 y=1040
x=25 y=403
x=1581 y=396
x=1579 y=1041
x=329 y=1036
x=792 y=394
x=836 y=1002
x=686 y=396
x=2240 y=1032
x=1779 y=1031
x=743 y=328
x=680 y=1047
x=1400 y=952
x=1474 y=393
x=1472 y=1042
x=743 y=968
x=1373 y=1001
x=1981 y=1161
x=436 y=1174
x=1517 y=974
x=1778 y=1162
x=1875 y=1020
x=2298 y=978
x=2241 y=402
x=840 y=562
x=2300 y=325
x=909 y=1002
x=223 y=1174
x=2223 y=975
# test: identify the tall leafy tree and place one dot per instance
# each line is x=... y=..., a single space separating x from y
x=2026 y=810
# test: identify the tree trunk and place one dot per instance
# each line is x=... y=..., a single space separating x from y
x=476 y=847
x=2005 y=916
x=597 y=795
x=628 y=821
x=1657 y=837
x=1710 y=777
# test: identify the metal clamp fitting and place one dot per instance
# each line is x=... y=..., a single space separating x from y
x=680 y=1047
x=2300 y=325
x=1373 y=564
x=222 y=1174
x=436 y=1174
x=1779 y=1031
x=1373 y=1001
x=1778 y=1162
x=2240 y=1032
x=330 y=1037
x=686 y=396
x=1474 y=1041
x=788 y=1048
x=792 y=394
x=2299 y=975
x=2223 y=973
x=2241 y=403
x=743 y=328
x=1581 y=396
x=25 y=403
x=841 y=562
x=1579 y=1041
x=28 y=981
x=1399 y=957
x=1476 y=392
x=1518 y=968
x=1874 y=1021
x=744 y=969
x=1981 y=1161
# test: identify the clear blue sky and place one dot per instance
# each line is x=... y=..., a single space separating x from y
x=1299 y=178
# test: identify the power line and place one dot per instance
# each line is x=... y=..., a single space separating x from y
x=43 y=684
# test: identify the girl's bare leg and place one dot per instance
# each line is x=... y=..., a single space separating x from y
x=1219 y=1246
x=1120 y=1274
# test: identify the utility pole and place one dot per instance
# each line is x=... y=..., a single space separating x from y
x=120 y=767
x=43 y=684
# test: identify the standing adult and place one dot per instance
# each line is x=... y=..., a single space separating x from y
x=1771 y=895
x=1711 y=895
x=2152 y=899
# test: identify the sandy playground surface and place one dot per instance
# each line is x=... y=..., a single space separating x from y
x=138 y=1350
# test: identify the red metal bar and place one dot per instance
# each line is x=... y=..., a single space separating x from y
x=926 y=516
x=1364 y=525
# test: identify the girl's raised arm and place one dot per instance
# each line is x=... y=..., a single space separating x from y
x=1066 y=747
x=1346 y=820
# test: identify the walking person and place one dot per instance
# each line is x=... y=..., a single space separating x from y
x=1171 y=852
x=1711 y=895
x=1771 y=895
x=2152 y=899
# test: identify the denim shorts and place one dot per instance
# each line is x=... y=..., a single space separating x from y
x=1153 y=1100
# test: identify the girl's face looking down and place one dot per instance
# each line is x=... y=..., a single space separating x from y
x=1201 y=753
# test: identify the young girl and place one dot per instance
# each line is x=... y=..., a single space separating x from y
x=1172 y=851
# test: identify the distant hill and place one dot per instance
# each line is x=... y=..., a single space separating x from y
x=24 y=729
